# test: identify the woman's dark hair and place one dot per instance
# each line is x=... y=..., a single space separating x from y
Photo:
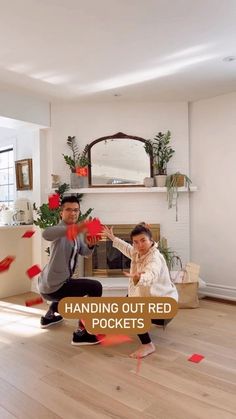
x=141 y=228
x=71 y=198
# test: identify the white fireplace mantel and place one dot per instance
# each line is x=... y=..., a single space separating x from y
x=128 y=189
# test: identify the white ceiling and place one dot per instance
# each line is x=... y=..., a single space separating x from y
x=139 y=49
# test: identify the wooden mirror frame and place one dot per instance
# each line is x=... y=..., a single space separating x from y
x=111 y=137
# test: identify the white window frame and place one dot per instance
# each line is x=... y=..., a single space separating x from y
x=9 y=147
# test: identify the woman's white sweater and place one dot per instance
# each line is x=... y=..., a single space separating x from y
x=155 y=279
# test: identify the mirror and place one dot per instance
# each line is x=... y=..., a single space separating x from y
x=118 y=160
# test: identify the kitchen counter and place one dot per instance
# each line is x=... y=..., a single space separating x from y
x=16 y=226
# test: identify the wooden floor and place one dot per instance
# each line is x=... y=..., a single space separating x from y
x=43 y=376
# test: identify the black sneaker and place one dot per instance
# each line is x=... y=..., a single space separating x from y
x=161 y=323
x=82 y=337
x=50 y=321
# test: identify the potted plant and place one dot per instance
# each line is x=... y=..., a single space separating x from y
x=78 y=164
x=47 y=217
x=161 y=152
x=173 y=182
x=171 y=257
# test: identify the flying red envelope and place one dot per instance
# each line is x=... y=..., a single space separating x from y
x=89 y=237
x=111 y=340
x=73 y=230
x=94 y=226
x=33 y=271
x=28 y=234
x=54 y=201
x=34 y=301
x=196 y=358
x=6 y=263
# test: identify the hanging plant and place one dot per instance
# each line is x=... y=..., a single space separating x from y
x=172 y=185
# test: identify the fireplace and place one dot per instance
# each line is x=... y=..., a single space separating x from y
x=107 y=261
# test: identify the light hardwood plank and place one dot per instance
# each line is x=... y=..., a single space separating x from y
x=43 y=376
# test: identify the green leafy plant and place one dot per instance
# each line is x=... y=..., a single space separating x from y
x=173 y=189
x=160 y=150
x=77 y=159
x=47 y=217
x=171 y=257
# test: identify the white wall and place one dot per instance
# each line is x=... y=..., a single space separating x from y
x=90 y=121
x=24 y=142
x=213 y=168
x=24 y=108
x=28 y=142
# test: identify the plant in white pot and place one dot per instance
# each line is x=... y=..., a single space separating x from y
x=161 y=152
x=78 y=164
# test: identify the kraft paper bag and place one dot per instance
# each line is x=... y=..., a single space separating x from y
x=188 y=296
x=188 y=287
x=191 y=272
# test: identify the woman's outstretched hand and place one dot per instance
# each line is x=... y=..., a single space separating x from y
x=135 y=277
x=108 y=232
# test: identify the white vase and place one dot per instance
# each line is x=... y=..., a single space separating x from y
x=77 y=182
x=160 y=180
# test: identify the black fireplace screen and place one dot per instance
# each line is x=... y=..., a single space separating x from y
x=107 y=257
x=106 y=260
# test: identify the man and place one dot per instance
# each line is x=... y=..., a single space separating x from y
x=55 y=281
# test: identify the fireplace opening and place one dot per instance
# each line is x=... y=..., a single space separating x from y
x=107 y=261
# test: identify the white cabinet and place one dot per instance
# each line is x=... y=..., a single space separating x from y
x=15 y=281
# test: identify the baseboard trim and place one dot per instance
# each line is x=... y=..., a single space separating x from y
x=222 y=292
x=220 y=300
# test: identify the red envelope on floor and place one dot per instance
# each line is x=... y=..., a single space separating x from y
x=28 y=234
x=6 y=263
x=94 y=227
x=33 y=271
x=34 y=301
x=54 y=201
x=111 y=340
x=196 y=358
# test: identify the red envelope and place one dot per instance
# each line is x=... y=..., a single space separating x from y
x=111 y=340
x=196 y=358
x=28 y=234
x=33 y=302
x=54 y=201
x=94 y=226
x=72 y=231
x=6 y=263
x=33 y=271
x=89 y=237
x=81 y=171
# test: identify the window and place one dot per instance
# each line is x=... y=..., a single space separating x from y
x=6 y=177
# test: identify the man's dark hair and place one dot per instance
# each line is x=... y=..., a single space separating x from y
x=141 y=228
x=72 y=199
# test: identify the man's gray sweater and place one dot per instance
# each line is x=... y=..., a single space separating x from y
x=58 y=270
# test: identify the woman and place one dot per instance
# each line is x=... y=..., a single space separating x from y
x=148 y=274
